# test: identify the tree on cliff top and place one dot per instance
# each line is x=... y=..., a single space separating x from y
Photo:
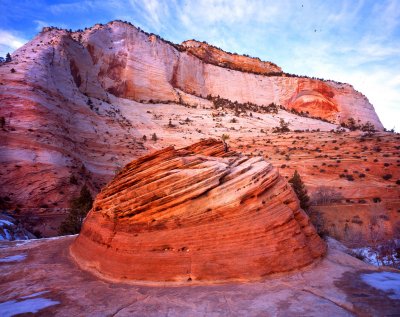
x=300 y=190
x=8 y=58
x=80 y=206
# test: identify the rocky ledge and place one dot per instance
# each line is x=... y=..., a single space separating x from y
x=196 y=214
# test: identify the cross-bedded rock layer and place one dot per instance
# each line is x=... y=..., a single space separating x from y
x=196 y=213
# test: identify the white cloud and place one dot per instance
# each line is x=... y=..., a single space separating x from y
x=10 y=41
x=80 y=6
x=41 y=24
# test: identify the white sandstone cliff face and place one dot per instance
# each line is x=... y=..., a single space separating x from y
x=131 y=64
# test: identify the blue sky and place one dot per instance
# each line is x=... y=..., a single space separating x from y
x=354 y=41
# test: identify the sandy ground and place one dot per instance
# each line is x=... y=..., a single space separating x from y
x=40 y=276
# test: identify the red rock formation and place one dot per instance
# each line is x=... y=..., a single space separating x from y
x=196 y=213
x=212 y=55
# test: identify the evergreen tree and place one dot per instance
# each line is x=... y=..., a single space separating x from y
x=225 y=137
x=154 y=137
x=80 y=206
x=369 y=128
x=8 y=58
x=300 y=190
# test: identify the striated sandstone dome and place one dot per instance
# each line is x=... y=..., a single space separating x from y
x=198 y=214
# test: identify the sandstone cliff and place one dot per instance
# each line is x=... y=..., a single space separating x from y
x=196 y=213
x=135 y=65
x=72 y=116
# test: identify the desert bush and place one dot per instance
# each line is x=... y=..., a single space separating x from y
x=386 y=177
x=357 y=220
x=325 y=195
x=73 y=180
x=283 y=127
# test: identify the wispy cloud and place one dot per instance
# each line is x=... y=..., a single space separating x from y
x=81 y=6
x=9 y=42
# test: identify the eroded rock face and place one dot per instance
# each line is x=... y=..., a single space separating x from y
x=216 y=56
x=196 y=213
x=138 y=66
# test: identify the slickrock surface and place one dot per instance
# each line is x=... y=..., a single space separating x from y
x=42 y=270
x=196 y=214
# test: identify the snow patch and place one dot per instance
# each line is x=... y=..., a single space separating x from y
x=13 y=258
x=13 y=307
x=384 y=281
x=5 y=223
x=7 y=233
x=35 y=294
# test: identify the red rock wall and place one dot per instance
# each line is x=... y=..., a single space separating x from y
x=212 y=55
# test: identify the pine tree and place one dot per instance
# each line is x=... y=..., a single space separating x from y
x=8 y=58
x=300 y=190
x=80 y=206
x=225 y=137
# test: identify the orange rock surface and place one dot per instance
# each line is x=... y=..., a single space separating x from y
x=216 y=56
x=196 y=213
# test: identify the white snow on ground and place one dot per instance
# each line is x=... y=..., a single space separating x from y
x=384 y=281
x=22 y=242
x=35 y=294
x=32 y=305
x=13 y=258
x=7 y=233
x=5 y=223
x=368 y=254
x=371 y=256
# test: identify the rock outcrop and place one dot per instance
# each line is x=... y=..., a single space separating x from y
x=213 y=55
x=196 y=213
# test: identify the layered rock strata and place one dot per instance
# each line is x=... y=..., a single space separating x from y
x=196 y=213
x=132 y=64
